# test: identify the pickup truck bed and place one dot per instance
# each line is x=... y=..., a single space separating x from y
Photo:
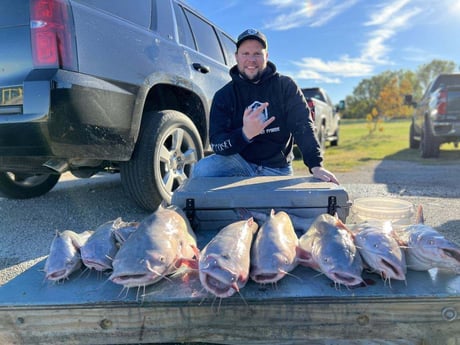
x=324 y=115
x=303 y=308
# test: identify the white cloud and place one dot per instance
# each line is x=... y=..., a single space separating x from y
x=280 y=3
x=455 y=8
x=389 y=20
x=332 y=12
x=386 y=12
x=385 y=20
x=317 y=77
x=313 y=68
x=375 y=49
x=311 y=13
x=420 y=56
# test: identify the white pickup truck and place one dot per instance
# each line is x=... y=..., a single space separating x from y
x=324 y=114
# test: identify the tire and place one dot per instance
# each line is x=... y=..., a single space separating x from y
x=429 y=144
x=335 y=142
x=322 y=137
x=413 y=144
x=168 y=147
x=26 y=186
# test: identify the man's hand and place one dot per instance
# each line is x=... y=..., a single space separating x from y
x=253 y=124
x=324 y=175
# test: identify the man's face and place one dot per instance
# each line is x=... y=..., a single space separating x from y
x=251 y=58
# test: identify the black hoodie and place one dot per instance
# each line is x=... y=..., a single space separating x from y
x=273 y=147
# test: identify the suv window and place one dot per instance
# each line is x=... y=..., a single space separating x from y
x=203 y=31
x=229 y=46
x=184 y=31
x=135 y=11
x=205 y=37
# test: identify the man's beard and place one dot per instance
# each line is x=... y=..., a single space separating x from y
x=253 y=79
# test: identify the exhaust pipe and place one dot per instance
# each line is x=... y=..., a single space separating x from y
x=58 y=165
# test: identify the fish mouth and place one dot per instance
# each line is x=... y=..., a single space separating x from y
x=98 y=266
x=451 y=259
x=57 y=275
x=218 y=287
x=345 y=279
x=440 y=256
x=453 y=253
x=135 y=280
x=391 y=271
x=267 y=278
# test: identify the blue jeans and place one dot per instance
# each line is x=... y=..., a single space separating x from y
x=234 y=165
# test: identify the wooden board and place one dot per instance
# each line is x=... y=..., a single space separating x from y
x=303 y=308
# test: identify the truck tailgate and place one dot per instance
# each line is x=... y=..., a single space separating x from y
x=453 y=102
x=304 y=308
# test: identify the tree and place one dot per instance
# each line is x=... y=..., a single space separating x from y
x=374 y=121
x=366 y=94
x=427 y=72
x=391 y=98
x=385 y=91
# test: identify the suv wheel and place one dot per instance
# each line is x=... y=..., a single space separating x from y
x=25 y=186
x=413 y=144
x=168 y=147
x=429 y=144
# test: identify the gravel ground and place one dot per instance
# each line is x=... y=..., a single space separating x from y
x=28 y=226
x=435 y=187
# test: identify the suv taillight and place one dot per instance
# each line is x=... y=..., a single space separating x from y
x=311 y=105
x=53 y=43
x=442 y=102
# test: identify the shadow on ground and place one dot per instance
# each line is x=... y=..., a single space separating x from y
x=437 y=177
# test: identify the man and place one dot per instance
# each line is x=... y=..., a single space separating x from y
x=256 y=118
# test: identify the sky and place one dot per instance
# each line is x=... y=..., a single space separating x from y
x=334 y=44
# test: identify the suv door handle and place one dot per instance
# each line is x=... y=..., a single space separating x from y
x=201 y=68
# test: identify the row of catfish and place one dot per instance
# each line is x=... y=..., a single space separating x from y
x=138 y=254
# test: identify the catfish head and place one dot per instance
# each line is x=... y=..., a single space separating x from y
x=381 y=251
x=134 y=271
x=64 y=257
x=427 y=248
x=335 y=253
x=218 y=279
x=273 y=269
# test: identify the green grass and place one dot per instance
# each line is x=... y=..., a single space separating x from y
x=358 y=147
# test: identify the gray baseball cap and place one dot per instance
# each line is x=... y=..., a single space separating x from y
x=252 y=34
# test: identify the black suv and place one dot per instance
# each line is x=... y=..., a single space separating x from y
x=93 y=85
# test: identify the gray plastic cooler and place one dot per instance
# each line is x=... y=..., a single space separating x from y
x=212 y=202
